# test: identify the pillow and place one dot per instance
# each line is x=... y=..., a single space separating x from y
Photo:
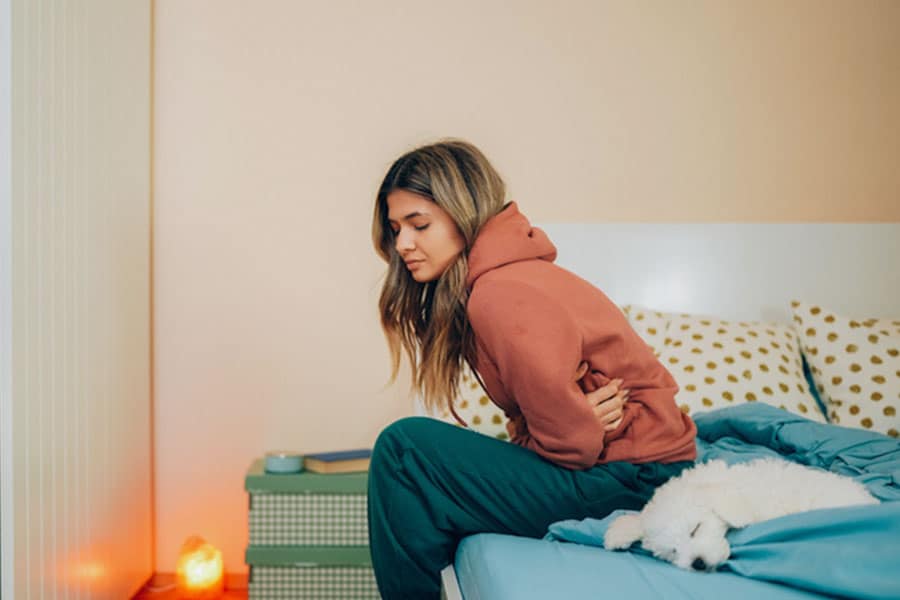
x=475 y=408
x=720 y=363
x=855 y=366
x=650 y=324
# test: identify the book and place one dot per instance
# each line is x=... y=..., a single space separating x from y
x=343 y=461
x=259 y=481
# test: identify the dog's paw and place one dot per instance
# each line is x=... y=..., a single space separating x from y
x=623 y=532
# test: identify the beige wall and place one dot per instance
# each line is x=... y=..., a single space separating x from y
x=75 y=280
x=275 y=122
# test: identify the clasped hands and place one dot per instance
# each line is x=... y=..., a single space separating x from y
x=607 y=402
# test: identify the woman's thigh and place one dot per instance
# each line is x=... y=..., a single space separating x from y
x=472 y=483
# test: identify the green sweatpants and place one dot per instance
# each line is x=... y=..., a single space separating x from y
x=432 y=483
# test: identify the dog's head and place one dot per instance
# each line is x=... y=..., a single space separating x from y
x=693 y=539
x=685 y=522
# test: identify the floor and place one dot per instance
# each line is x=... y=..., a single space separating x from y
x=162 y=587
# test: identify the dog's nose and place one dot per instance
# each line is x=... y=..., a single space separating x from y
x=699 y=564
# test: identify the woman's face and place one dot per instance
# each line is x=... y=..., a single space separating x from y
x=425 y=236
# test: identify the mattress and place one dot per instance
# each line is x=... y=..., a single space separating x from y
x=496 y=567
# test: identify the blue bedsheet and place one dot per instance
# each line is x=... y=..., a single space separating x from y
x=749 y=431
x=493 y=566
x=851 y=552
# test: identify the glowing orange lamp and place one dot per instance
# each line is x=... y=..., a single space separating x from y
x=199 y=574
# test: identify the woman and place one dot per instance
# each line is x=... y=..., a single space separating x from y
x=592 y=415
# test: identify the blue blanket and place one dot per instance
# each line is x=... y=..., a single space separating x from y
x=851 y=552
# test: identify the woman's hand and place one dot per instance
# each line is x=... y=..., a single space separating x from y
x=607 y=401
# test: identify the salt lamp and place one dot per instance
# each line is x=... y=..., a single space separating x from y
x=199 y=574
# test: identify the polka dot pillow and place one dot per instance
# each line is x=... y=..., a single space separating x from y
x=475 y=408
x=650 y=324
x=855 y=366
x=720 y=363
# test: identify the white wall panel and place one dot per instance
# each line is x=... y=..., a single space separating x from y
x=76 y=275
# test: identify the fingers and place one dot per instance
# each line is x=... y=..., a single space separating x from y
x=611 y=419
x=607 y=392
x=614 y=425
x=582 y=369
x=611 y=411
x=608 y=402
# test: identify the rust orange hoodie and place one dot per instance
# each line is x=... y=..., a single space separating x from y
x=534 y=323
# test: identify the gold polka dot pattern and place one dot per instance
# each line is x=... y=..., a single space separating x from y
x=719 y=363
x=476 y=409
x=651 y=325
x=855 y=366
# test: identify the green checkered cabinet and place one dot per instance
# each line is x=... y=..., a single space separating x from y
x=308 y=536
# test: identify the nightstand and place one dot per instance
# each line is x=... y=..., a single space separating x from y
x=308 y=536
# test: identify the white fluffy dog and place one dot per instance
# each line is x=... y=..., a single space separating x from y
x=686 y=520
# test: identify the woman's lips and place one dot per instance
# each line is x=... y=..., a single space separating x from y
x=414 y=264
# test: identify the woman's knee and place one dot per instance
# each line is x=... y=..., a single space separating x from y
x=403 y=433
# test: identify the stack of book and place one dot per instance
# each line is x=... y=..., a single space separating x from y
x=308 y=531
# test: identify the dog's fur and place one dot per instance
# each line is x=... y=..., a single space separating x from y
x=686 y=520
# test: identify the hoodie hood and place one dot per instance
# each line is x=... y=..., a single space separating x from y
x=505 y=238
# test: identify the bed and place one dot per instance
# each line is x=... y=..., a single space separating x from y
x=814 y=285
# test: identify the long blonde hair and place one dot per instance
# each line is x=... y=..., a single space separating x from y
x=428 y=320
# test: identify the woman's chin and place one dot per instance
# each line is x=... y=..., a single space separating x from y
x=421 y=275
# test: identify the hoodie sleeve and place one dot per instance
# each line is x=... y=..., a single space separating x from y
x=536 y=346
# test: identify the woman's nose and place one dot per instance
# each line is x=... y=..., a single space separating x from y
x=403 y=243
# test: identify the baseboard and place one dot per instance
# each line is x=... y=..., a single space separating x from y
x=233 y=581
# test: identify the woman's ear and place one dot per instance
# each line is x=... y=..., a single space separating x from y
x=623 y=532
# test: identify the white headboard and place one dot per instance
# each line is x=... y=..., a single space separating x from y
x=737 y=271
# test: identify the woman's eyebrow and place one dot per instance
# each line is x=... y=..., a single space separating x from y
x=410 y=216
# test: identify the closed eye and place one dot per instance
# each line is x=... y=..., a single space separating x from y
x=695 y=529
x=396 y=232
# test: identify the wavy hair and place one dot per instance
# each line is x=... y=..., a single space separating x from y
x=428 y=320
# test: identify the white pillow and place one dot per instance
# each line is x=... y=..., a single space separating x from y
x=719 y=363
x=476 y=409
x=650 y=324
x=855 y=366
